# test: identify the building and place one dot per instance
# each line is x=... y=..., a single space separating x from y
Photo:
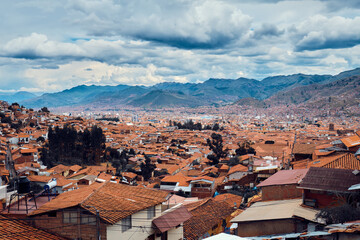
x=114 y=211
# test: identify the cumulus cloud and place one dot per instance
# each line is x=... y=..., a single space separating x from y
x=320 y=32
x=91 y=72
x=56 y=46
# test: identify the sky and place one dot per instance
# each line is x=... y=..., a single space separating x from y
x=49 y=46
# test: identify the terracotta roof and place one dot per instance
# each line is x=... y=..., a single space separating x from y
x=229 y=198
x=284 y=177
x=114 y=201
x=75 y=168
x=32 y=150
x=130 y=175
x=300 y=148
x=179 y=177
x=15 y=229
x=340 y=160
x=329 y=179
x=206 y=214
x=238 y=168
x=60 y=168
x=351 y=141
x=60 y=180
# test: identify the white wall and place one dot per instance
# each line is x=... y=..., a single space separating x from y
x=142 y=227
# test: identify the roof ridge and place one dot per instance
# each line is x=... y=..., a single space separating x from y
x=93 y=192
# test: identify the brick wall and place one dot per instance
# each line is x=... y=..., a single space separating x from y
x=259 y=228
x=72 y=231
x=281 y=192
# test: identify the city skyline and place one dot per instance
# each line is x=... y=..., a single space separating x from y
x=52 y=46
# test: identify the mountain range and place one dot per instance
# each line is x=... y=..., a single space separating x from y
x=293 y=89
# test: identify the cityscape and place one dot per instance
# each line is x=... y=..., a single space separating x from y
x=180 y=120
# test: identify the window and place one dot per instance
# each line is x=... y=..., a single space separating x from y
x=52 y=214
x=151 y=212
x=88 y=218
x=126 y=223
x=70 y=217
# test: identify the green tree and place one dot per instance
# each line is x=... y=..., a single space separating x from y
x=147 y=168
x=216 y=146
x=44 y=109
x=245 y=148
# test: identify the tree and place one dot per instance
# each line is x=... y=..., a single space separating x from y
x=147 y=168
x=244 y=148
x=216 y=127
x=40 y=139
x=44 y=109
x=216 y=145
x=132 y=152
x=340 y=214
x=234 y=161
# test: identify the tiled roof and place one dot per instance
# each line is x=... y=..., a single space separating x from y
x=114 y=201
x=329 y=179
x=60 y=180
x=340 y=160
x=238 y=168
x=206 y=214
x=304 y=148
x=15 y=229
x=229 y=198
x=351 y=141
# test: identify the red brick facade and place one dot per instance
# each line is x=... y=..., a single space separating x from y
x=281 y=192
x=55 y=224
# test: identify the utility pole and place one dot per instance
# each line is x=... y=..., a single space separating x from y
x=98 y=236
x=97 y=224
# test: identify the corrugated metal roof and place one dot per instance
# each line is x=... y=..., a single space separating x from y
x=272 y=210
x=172 y=218
x=268 y=211
x=285 y=177
x=225 y=236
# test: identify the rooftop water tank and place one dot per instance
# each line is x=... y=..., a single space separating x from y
x=23 y=185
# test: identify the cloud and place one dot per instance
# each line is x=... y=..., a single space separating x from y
x=267 y=30
x=77 y=73
x=38 y=46
x=320 y=32
x=184 y=24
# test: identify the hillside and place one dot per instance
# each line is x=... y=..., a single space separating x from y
x=160 y=98
x=17 y=97
x=278 y=89
x=344 y=92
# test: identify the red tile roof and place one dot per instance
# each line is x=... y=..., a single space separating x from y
x=206 y=214
x=15 y=229
x=351 y=141
x=114 y=201
x=238 y=168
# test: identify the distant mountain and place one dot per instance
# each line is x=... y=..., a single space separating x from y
x=251 y=102
x=281 y=83
x=160 y=98
x=350 y=73
x=17 y=97
x=75 y=96
x=343 y=92
x=211 y=92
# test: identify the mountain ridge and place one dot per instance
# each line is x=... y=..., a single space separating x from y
x=213 y=91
